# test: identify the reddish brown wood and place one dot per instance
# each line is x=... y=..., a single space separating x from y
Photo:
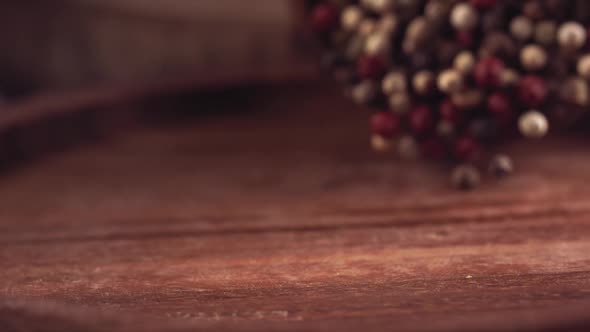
x=280 y=219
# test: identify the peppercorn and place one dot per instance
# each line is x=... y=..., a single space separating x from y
x=379 y=6
x=464 y=39
x=467 y=149
x=488 y=71
x=385 y=124
x=465 y=177
x=532 y=91
x=380 y=144
x=571 y=35
x=533 y=10
x=557 y=9
x=394 y=82
x=364 y=92
x=533 y=57
x=450 y=81
x=448 y=112
x=464 y=62
x=378 y=44
x=367 y=27
x=351 y=18
x=448 y=76
x=501 y=165
x=583 y=66
x=421 y=119
x=353 y=48
x=500 y=106
x=498 y=45
x=521 y=28
x=399 y=102
x=545 y=32
x=445 y=129
x=467 y=99
x=533 y=124
x=509 y=77
x=388 y=24
x=324 y=18
x=423 y=82
x=437 y=10
x=370 y=67
x=483 y=4
x=575 y=91
x=408 y=148
x=464 y=17
x=418 y=30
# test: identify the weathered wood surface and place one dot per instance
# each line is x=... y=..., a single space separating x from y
x=280 y=219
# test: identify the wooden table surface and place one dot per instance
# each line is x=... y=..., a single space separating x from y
x=279 y=218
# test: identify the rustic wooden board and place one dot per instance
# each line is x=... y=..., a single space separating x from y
x=280 y=219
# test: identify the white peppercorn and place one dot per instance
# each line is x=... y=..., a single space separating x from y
x=464 y=62
x=351 y=18
x=533 y=57
x=378 y=44
x=521 y=28
x=464 y=17
x=450 y=81
x=583 y=66
x=533 y=124
x=394 y=81
x=571 y=35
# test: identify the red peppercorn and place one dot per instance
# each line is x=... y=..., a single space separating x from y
x=370 y=67
x=464 y=38
x=482 y=4
x=500 y=106
x=467 y=149
x=449 y=112
x=532 y=91
x=488 y=71
x=324 y=18
x=433 y=148
x=385 y=124
x=421 y=120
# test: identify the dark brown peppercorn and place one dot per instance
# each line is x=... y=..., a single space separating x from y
x=492 y=20
x=533 y=9
x=497 y=44
x=501 y=165
x=465 y=177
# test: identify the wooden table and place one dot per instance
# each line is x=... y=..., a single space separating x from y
x=279 y=218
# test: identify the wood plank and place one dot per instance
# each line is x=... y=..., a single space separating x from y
x=280 y=219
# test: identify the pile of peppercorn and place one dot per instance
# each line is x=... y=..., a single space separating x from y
x=447 y=79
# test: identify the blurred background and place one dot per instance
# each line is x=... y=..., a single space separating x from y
x=74 y=67
x=71 y=43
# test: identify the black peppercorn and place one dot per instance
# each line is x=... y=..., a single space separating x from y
x=465 y=177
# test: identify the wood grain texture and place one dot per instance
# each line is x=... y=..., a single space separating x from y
x=280 y=219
